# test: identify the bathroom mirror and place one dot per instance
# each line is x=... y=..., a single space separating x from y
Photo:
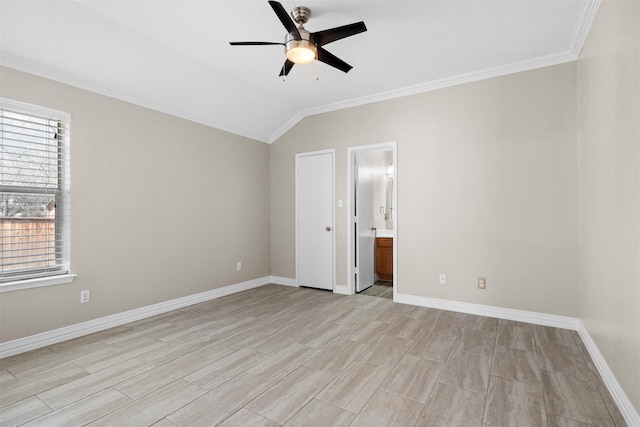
x=391 y=211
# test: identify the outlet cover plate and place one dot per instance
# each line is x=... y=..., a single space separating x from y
x=85 y=296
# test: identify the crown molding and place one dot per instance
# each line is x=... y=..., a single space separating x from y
x=21 y=64
x=587 y=15
x=427 y=87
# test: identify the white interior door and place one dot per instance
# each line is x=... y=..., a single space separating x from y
x=314 y=222
x=365 y=232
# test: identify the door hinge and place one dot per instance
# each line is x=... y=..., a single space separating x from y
x=356 y=270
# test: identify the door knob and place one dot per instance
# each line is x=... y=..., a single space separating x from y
x=373 y=229
x=327 y=228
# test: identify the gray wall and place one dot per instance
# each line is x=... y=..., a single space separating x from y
x=609 y=161
x=161 y=208
x=487 y=186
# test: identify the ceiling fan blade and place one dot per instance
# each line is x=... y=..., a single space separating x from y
x=327 y=36
x=288 y=65
x=254 y=43
x=330 y=59
x=285 y=18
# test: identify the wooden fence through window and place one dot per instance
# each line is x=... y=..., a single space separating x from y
x=27 y=243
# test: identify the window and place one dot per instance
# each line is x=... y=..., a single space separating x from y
x=34 y=192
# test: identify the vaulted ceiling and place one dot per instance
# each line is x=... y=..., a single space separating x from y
x=174 y=55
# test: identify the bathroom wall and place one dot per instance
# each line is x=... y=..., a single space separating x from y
x=379 y=162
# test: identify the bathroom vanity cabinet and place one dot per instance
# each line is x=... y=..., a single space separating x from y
x=384 y=258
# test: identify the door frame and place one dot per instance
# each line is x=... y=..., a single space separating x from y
x=392 y=146
x=331 y=151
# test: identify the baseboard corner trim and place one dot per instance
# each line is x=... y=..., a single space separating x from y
x=22 y=345
x=621 y=399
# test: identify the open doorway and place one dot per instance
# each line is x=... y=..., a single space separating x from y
x=372 y=219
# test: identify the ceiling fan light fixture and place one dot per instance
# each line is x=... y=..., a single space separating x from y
x=301 y=55
x=300 y=51
x=301 y=46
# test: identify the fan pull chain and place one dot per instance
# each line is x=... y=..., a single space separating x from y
x=316 y=70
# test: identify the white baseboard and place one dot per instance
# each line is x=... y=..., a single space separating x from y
x=44 y=339
x=284 y=281
x=491 y=311
x=624 y=404
x=629 y=413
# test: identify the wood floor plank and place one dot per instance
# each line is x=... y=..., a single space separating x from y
x=554 y=335
x=33 y=366
x=95 y=362
x=155 y=378
x=353 y=388
x=321 y=414
x=214 y=374
x=413 y=378
x=511 y=402
x=514 y=336
x=85 y=410
x=388 y=410
x=223 y=401
x=282 y=401
x=23 y=411
x=73 y=391
x=557 y=357
x=336 y=356
x=477 y=341
x=452 y=406
x=247 y=418
x=467 y=370
x=575 y=398
x=282 y=363
x=516 y=364
x=434 y=346
x=153 y=406
x=42 y=382
x=386 y=350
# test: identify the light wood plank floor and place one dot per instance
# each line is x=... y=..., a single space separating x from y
x=277 y=355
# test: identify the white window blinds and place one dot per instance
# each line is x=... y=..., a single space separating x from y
x=34 y=191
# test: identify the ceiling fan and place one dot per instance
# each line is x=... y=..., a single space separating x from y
x=301 y=46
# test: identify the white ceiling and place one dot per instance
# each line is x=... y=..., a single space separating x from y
x=174 y=55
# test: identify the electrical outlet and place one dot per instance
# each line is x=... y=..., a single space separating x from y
x=443 y=279
x=482 y=283
x=238 y=266
x=85 y=296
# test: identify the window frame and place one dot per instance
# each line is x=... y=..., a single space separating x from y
x=62 y=196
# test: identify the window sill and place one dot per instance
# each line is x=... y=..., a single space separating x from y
x=37 y=283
